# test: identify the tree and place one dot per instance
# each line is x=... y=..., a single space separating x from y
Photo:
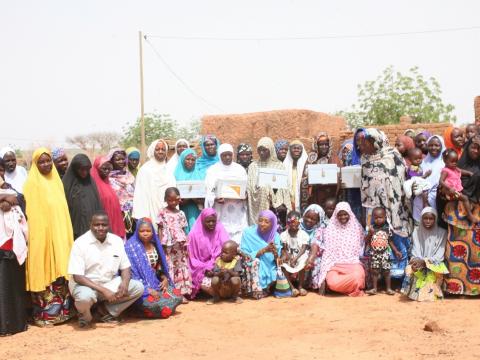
x=99 y=140
x=158 y=126
x=393 y=94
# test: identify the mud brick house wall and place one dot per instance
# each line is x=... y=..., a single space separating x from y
x=477 y=109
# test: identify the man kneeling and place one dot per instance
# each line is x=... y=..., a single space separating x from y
x=95 y=260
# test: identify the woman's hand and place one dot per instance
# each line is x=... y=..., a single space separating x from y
x=5 y=206
x=164 y=284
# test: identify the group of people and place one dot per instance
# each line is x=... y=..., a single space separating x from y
x=95 y=239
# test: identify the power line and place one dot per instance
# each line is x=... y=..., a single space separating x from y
x=169 y=68
x=321 y=37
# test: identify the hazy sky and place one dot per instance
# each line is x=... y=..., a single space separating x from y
x=71 y=67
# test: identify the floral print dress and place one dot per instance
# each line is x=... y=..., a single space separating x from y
x=174 y=240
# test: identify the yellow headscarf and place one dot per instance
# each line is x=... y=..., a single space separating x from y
x=49 y=226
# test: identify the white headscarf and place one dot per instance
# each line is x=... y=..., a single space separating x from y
x=434 y=164
x=429 y=244
x=172 y=163
x=218 y=171
x=288 y=163
x=17 y=177
x=151 y=182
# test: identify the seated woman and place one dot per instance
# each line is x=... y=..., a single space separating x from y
x=424 y=274
x=263 y=242
x=160 y=298
x=341 y=270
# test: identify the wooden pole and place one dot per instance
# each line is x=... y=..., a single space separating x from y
x=142 y=112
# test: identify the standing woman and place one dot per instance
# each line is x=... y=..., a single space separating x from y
x=100 y=173
x=152 y=181
x=60 y=160
x=244 y=155
x=265 y=198
x=403 y=144
x=232 y=213
x=180 y=146
x=50 y=241
x=281 y=149
x=383 y=174
x=133 y=156
x=187 y=171
x=123 y=183
x=209 y=145
x=81 y=193
x=295 y=163
x=15 y=175
x=421 y=141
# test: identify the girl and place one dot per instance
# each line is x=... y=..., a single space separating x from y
x=171 y=225
x=451 y=183
x=294 y=252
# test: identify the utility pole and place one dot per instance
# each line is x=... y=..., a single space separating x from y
x=142 y=113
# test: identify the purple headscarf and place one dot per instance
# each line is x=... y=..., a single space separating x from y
x=204 y=247
x=141 y=269
x=270 y=235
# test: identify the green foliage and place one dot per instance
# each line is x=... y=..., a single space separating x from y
x=158 y=126
x=392 y=95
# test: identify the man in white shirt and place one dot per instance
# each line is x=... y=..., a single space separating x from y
x=95 y=261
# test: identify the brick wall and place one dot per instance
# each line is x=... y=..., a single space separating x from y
x=477 y=109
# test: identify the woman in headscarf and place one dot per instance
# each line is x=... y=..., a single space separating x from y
x=232 y=213
x=209 y=145
x=13 y=252
x=49 y=243
x=15 y=175
x=345 y=153
x=383 y=175
x=424 y=274
x=262 y=241
x=340 y=268
x=123 y=183
x=149 y=265
x=421 y=141
x=323 y=154
x=244 y=155
x=186 y=170
x=60 y=160
x=152 y=181
x=81 y=193
x=180 y=146
x=454 y=138
x=205 y=242
x=133 y=158
x=265 y=198
x=295 y=163
x=403 y=144
x=463 y=247
x=410 y=133
x=100 y=173
x=281 y=149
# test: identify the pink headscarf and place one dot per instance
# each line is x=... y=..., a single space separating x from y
x=204 y=247
x=343 y=243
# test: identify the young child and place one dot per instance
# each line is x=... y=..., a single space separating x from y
x=294 y=253
x=226 y=274
x=329 y=207
x=171 y=230
x=379 y=239
x=451 y=183
x=471 y=130
x=416 y=176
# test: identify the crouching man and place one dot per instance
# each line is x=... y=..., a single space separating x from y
x=96 y=259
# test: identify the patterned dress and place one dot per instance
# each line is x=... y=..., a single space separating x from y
x=174 y=241
x=123 y=183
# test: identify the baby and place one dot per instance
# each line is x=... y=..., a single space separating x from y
x=226 y=274
x=415 y=175
x=471 y=130
x=451 y=183
x=379 y=238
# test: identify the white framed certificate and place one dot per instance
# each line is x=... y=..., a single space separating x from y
x=194 y=189
x=275 y=178
x=322 y=174
x=231 y=189
x=351 y=177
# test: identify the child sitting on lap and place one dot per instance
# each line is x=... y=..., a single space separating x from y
x=416 y=176
x=226 y=274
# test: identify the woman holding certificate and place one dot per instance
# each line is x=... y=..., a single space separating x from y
x=267 y=186
x=226 y=183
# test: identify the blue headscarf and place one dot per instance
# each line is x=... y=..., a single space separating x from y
x=205 y=161
x=279 y=144
x=141 y=269
x=356 y=155
x=182 y=173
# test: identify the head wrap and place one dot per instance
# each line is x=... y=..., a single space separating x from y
x=243 y=147
x=225 y=148
x=269 y=236
x=322 y=219
x=447 y=137
x=267 y=143
x=429 y=244
x=133 y=153
x=205 y=161
x=58 y=152
x=6 y=150
x=407 y=142
x=151 y=150
x=181 y=172
x=279 y=144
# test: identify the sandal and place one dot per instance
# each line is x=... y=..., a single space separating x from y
x=303 y=292
x=84 y=324
x=390 y=292
x=213 y=300
x=371 y=292
x=237 y=300
x=110 y=319
x=295 y=293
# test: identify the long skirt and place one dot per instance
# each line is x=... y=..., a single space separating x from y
x=348 y=279
x=250 y=282
x=54 y=305
x=13 y=316
x=462 y=251
x=161 y=308
x=177 y=259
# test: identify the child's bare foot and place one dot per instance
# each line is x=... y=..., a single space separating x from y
x=295 y=293
x=371 y=292
x=237 y=300
x=213 y=300
x=184 y=300
x=302 y=291
x=390 y=292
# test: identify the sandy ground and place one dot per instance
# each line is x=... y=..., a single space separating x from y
x=312 y=327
